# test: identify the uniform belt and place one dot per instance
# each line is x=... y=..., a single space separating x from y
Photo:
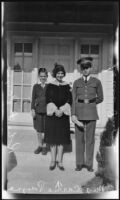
x=87 y=100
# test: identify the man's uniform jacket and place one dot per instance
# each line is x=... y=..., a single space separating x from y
x=81 y=91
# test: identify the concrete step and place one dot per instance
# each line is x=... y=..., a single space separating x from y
x=26 y=140
x=32 y=174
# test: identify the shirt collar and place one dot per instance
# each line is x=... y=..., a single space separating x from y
x=55 y=82
x=42 y=85
x=88 y=77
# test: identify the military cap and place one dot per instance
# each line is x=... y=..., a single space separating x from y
x=85 y=60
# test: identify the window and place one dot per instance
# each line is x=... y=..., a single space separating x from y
x=84 y=49
x=91 y=50
x=22 y=77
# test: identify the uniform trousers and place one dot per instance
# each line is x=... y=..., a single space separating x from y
x=85 y=140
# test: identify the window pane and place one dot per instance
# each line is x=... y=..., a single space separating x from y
x=17 y=78
x=27 y=78
x=17 y=105
x=85 y=49
x=28 y=47
x=26 y=92
x=28 y=65
x=26 y=106
x=18 y=48
x=94 y=49
x=16 y=91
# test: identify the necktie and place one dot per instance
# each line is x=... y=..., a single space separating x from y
x=85 y=79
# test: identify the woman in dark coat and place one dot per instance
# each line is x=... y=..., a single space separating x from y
x=57 y=131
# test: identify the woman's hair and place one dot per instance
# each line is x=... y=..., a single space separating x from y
x=58 y=68
x=43 y=70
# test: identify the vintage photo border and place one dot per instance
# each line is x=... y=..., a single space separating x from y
x=4 y=120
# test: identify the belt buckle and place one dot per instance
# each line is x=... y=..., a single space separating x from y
x=86 y=101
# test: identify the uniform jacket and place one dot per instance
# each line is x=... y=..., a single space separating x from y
x=38 y=98
x=81 y=90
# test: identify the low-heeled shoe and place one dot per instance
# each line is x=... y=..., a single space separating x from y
x=44 y=151
x=90 y=169
x=60 y=167
x=38 y=150
x=52 y=167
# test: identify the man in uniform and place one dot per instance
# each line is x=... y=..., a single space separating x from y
x=87 y=93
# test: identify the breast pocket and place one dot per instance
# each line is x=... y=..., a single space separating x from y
x=92 y=89
x=80 y=90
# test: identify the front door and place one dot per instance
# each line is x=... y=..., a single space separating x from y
x=59 y=51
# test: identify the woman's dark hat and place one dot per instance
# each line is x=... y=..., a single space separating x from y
x=85 y=60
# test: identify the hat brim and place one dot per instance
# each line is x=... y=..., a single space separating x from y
x=85 y=60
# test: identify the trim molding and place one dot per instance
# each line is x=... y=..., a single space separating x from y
x=59 y=27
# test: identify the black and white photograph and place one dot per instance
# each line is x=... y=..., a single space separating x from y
x=60 y=99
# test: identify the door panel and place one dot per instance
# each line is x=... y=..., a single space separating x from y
x=48 y=62
x=59 y=51
x=65 y=62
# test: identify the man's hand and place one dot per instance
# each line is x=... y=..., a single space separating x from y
x=33 y=113
x=58 y=113
x=74 y=118
x=76 y=121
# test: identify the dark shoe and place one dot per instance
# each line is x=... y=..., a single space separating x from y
x=44 y=151
x=78 y=168
x=60 y=166
x=90 y=169
x=52 y=166
x=38 y=150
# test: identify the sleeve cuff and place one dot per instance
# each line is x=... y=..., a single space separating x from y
x=66 y=109
x=51 y=108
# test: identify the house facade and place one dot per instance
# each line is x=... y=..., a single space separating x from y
x=39 y=34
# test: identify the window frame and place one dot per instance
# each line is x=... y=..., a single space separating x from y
x=92 y=41
x=17 y=39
